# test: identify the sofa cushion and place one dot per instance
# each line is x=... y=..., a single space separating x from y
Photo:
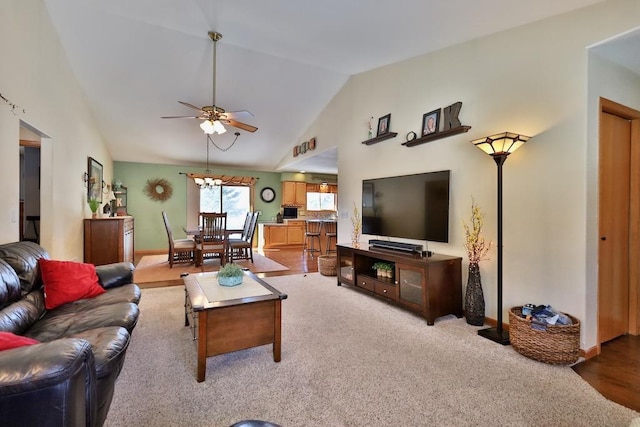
x=20 y=315
x=23 y=258
x=68 y=281
x=9 y=284
x=108 y=345
x=9 y=341
x=61 y=323
x=126 y=293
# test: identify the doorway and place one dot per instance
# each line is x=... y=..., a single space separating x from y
x=619 y=221
x=30 y=144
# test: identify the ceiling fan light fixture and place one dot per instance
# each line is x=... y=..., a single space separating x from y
x=217 y=127
x=207 y=127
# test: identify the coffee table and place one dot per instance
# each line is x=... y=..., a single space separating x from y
x=226 y=319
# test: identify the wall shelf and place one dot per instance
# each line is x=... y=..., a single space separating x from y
x=437 y=135
x=380 y=138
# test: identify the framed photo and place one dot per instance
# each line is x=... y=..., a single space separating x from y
x=384 y=123
x=312 y=144
x=431 y=122
x=94 y=179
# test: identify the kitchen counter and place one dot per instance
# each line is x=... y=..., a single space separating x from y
x=289 y=233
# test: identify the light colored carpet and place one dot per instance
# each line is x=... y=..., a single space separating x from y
x=154 y=269
x=348 y=359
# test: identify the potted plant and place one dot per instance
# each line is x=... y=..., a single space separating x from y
x=477 y=248
x=230 y=275
x=379 y=268
x=94 y=204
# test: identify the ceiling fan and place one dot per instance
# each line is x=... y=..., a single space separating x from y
x=213 y=115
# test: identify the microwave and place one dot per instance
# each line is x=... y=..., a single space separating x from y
x=289 y=212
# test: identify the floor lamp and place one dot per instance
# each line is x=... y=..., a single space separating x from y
x=499 y=147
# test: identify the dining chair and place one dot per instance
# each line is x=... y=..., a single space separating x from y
x=180 y=250
x=312 y=232
x=213 y=237
x=242 y=248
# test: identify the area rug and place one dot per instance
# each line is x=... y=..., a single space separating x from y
x=154 y=271
x=348 y=359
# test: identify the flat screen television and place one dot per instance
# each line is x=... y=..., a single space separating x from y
x=409 y=206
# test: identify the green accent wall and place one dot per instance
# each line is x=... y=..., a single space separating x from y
x=149 y=229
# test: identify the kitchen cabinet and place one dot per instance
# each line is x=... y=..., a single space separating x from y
x=294 y=193
x=290 y=233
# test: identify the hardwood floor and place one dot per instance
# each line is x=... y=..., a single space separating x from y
x=615 y=372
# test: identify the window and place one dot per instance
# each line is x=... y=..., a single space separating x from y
x=235 y=200
x=321 y=201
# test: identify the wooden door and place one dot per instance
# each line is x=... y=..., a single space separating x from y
x=614 y=213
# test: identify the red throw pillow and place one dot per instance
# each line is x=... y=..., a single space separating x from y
x=68 y=281
x=9 y=340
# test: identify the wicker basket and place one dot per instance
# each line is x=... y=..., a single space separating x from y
x=558 y=345
x=327 y=265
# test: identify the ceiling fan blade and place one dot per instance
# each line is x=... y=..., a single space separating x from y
x=186 y=104
x=240 y=125
x=242 y=114
x=183 y=117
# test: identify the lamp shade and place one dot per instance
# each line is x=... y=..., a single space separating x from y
x=501 y=143
x=207 y=126
x=217 y=127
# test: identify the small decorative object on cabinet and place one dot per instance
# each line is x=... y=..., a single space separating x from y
x=120 y=202
x=356 y=225
x=94 y=204
x=477 y=248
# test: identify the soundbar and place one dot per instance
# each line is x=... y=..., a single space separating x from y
x=396 y=246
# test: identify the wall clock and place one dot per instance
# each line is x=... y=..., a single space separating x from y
x=267 y=194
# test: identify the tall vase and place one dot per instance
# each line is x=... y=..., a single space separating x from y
x=474 y=298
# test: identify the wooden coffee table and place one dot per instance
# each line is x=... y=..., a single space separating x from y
x=226 y=319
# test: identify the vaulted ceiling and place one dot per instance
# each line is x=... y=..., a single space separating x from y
x=282 y=60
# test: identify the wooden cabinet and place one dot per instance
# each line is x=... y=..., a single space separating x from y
x=429 y=286
x=294 y=193
x=108 y=240
x=295 y=232
x=276 y=235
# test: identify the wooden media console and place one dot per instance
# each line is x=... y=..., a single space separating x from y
x=429 y=286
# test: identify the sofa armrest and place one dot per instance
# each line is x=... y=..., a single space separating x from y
x=58 y=375
x=116 y=274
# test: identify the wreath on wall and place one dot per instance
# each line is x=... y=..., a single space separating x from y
x=158 y=189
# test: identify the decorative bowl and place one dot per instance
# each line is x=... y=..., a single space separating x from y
x=230 y=281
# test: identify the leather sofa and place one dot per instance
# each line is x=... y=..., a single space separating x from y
x=68 y=378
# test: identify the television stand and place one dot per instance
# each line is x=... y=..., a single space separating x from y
x=428 y=286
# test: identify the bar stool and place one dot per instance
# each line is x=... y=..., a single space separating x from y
x=312 y=230
x=331 y=233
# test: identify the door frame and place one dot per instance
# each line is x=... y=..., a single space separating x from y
x=611 y=107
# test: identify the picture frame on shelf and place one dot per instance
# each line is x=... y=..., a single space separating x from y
x=384 y=124
x=431 y=122
x=94 y=180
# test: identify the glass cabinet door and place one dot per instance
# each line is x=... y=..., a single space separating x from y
x=410 y=283
x=345 y=266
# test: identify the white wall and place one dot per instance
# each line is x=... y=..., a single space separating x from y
x=530 y=80
x=35 y=75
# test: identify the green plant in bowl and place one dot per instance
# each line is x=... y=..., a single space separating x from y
x=230 y=275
